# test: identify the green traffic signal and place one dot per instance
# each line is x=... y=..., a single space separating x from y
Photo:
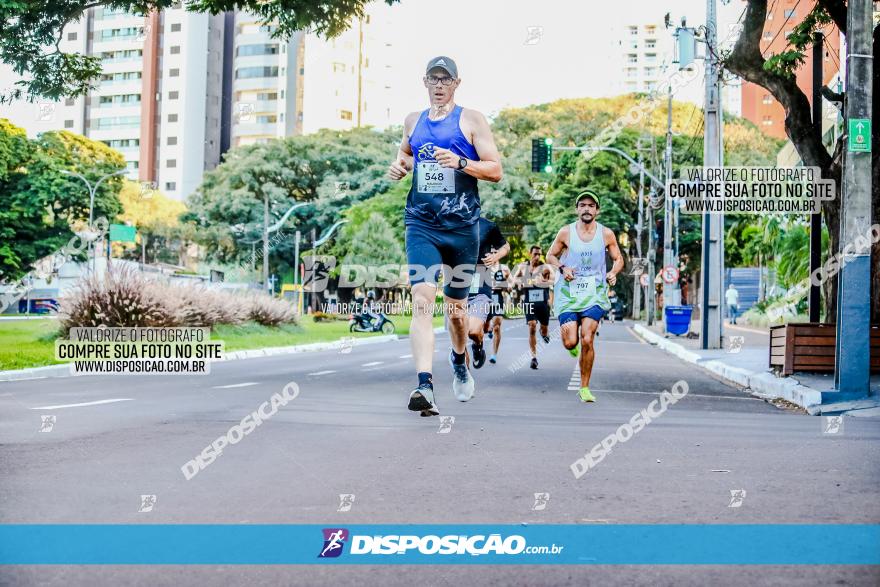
x=542 y=155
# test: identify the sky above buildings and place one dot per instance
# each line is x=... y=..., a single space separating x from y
x=576 y=55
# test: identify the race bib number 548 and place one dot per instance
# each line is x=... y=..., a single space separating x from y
x=434 y=179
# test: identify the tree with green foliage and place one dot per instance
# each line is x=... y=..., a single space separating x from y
x=331 y=170
x=39 y=204
x=776 y=73
x=30 y=33
x=160 y=234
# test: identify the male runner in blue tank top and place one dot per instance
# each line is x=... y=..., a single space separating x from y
x=580 y=296
x=448 y=148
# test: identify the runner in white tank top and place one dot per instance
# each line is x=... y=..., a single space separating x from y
x=581 y=293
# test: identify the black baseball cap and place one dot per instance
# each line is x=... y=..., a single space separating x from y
x=444 y=63
x=587 y=194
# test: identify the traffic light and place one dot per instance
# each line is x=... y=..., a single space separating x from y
x=542 y=155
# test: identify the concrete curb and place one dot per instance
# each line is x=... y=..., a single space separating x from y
x=36 y=373
x=306 y=348
x=761 y=385
x=64 y=369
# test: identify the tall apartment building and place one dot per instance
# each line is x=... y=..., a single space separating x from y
x=178 y=89
x=307 y=83
x=347 y=83
x=644 y=48
x=758 y=105
x=265 y=82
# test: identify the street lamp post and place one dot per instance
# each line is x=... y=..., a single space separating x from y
x=269 y=229
x=315 y=246
x=93 y=188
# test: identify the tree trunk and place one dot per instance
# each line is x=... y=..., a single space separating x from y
x=747 y=62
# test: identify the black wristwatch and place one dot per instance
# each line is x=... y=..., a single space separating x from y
x=462 y=162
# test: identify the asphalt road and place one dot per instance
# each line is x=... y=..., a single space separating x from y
x=348 y=432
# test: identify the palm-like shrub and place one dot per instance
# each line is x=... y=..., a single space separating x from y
x=125 y=297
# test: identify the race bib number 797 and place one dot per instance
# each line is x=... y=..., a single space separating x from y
x=584 y=287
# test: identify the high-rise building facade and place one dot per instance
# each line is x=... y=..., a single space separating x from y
x=179 y=88
x=307 y=83
x=758 y=104
x=266 y=80
x=645 y=48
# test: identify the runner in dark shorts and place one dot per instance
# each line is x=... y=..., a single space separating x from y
x=536 y=279
x=493 y=248
x=500 y=290
x=448 y=148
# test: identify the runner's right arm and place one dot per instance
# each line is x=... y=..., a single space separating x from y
x=556 y=250
x=403 y=164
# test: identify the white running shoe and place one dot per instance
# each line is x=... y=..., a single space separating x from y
x=421 y=399
x=462 y=382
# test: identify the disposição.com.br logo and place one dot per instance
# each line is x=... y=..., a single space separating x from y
x=335 y=540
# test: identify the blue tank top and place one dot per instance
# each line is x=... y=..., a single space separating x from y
x=441 y=197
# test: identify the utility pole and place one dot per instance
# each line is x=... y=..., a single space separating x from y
x=296 y=241
x=651 y=294
x=266 y=241
x=668 y=255
x=360 y=70
x=816 y=219
x=712 y=264
x=852 y=350
x=640 y=225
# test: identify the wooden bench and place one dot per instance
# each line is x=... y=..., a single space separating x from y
x=809 y=346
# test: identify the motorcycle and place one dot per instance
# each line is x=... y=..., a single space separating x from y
x=365 y=323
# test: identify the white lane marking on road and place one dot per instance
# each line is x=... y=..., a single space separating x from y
x=246 y=384
x=316 y=373
x=96 y=403
x=371 y=363
x=405 y=357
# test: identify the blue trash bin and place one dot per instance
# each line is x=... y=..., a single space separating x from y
x=678 y=319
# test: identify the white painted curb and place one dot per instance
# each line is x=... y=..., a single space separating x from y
x=306 y=348
x=763 y=385
x=64 y=369
x=36 y=373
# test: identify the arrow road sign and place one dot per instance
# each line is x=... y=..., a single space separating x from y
x=859 y=135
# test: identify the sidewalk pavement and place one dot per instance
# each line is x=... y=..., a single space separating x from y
x=744 y=362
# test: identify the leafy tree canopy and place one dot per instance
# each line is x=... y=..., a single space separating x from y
x=39 y=204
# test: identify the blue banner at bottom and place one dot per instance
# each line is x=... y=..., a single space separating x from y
x=230 y=544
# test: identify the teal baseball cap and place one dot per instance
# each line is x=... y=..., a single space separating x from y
x=587 y=194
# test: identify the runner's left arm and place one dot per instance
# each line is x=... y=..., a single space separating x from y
x=492 y=258
x=616 y=256
x=488 y=168
x=497 y=241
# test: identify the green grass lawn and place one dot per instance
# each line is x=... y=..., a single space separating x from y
x=30 y=343
x=27 y=343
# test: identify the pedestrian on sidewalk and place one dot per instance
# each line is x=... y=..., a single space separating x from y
x=732 y=297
